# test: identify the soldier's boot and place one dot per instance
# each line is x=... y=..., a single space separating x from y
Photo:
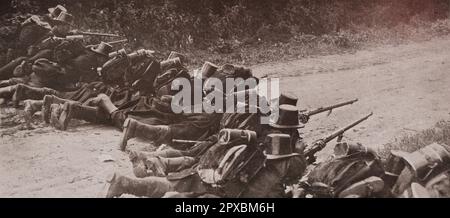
x=135 y=129
x=24 y=92
x=105 y=104
x=56 y=110
x=31 y=107
x=7 y=92
x=48 y=100
x=75 y=110
x=148 y=187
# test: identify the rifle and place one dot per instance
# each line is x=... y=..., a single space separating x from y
x=181 y=141
x=115 y=53
x=304 y=115
x=53 y=41
x=321 y=143
x=111 y=43
x=95 y=34
x=142 y=52
x=328 y=108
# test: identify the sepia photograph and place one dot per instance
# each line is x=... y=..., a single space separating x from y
x=228 y=99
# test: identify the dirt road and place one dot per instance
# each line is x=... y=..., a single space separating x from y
x=407 y=87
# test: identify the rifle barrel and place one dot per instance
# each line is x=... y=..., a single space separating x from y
x=185 y=141
x=117 y=41
x=111 y=43
x=98 y=34
x=342 y=130
x=321 y=143
x=74 y=37
x=331 y=107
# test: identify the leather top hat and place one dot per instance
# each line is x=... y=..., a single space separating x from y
x=278 y=146
x=174 y=54
x=208 y=69
x=64 y=18
x=287 y=98
x=288 y=118
x=171 y=63
x=428 y=160
x=54 y=12
x=103 y=49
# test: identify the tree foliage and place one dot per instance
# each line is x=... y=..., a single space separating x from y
x=182 y=24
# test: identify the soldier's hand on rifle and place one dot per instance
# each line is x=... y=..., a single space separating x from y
x=303 y=118
x=319 y=143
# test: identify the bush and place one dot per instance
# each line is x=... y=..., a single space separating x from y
x=183 y=24
x=247 y=31
x=440 y=134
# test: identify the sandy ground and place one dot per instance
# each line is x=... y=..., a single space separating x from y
x=406 y=86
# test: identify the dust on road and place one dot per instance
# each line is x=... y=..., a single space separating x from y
x=407 y=88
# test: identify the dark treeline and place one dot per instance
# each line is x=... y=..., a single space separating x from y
x=185 y=23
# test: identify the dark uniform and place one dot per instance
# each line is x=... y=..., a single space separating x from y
x=257 y=177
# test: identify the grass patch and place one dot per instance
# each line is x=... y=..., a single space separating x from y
x=440 y=133
x=301 y=45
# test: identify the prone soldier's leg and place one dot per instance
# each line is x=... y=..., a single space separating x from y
x=13 y=81
x=24 y=92
x=135 y=129
x=161 y=166
x=154 y=187
x=138 y=159
x=75 y=110
x=48 y=100
x=31 y=107
x=143 y=155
